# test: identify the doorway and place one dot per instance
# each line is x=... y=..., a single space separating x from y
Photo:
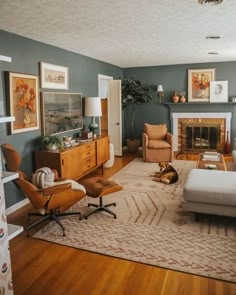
x=110 y=123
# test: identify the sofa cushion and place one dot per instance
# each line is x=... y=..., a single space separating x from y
x=158 y=144
x=211 y=187
x=155 y=131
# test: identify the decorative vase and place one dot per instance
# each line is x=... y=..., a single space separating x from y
x=227 y=147
x=182 y=99
x=175 y=97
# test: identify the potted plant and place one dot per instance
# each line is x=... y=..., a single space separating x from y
x=51 y=142
x=134 y=93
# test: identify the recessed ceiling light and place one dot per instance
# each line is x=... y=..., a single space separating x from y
x=210 y=1
x=214 y=37
x=213 y=52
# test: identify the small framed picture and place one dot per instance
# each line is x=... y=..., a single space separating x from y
x=219 y=91
x=54 y=76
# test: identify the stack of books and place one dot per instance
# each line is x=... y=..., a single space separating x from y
x=211 y=156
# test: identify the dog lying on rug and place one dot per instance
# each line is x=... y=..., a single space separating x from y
x=167 y=174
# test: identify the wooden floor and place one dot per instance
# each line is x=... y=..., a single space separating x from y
x=40 y=267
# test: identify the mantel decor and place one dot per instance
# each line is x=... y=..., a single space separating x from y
x=54 y=76
x=199 y=84
x=23 y=102
x=219 y=91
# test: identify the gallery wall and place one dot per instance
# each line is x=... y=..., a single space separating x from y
x=26 y=55
x=175 y=78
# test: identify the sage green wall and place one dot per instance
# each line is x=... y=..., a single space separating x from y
x=175 y=77
x=26 y=55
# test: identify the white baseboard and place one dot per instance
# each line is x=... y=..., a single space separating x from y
x=17 y=206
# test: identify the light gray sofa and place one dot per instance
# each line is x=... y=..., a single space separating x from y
x=211 y=192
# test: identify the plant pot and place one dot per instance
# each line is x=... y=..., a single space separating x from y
x=51 y=147
x=133 y=145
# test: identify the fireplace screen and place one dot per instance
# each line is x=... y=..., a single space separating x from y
x=201 y=137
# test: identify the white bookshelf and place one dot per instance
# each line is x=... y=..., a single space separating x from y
x=14 y=230
x=9 y=176
x=4 y=119
x=6 y=176
x=5 y=58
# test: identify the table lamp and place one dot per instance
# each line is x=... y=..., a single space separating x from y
x=93 y=109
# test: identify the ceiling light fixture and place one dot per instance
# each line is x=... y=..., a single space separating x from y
x=213 y=52
x=210 y=1
x=214 y=37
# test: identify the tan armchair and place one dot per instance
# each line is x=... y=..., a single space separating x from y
x=49 y=202
x=157 y=143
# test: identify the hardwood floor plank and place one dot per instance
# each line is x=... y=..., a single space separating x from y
x=40 y=267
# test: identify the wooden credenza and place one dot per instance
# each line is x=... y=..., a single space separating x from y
x=77 y=161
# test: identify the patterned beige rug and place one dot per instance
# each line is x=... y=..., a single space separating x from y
x=152 y=227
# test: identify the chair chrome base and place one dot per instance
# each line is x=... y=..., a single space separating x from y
x=53 y=215
x=100 y=207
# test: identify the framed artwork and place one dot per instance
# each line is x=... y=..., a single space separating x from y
x=219 y=91
x=23 y=102
x=61 y=112
x=199 y=84
x=53 y=76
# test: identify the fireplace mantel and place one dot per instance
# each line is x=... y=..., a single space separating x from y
x=200 y=106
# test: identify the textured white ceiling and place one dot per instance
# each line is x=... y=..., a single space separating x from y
x=128 y=33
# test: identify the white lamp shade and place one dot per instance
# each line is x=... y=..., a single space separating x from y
x=93 y=107
x=160 y=88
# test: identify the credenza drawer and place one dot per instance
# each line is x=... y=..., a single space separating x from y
x=87 y=154
x=88 y=163
x=87 y=147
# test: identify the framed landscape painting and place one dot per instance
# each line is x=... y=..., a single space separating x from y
x=199 y=84
x=61 y=112
x=23 y=102
x=53 y=76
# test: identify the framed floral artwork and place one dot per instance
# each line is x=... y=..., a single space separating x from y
x=53 y=76
x=23 y=102
x=199 y=84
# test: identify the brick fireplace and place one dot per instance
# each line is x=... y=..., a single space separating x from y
x=200 y=131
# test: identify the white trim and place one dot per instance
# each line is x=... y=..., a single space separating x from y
x=104 y=77
x=176 y=116
x=17 y=206
x=100 y=76
x=5 y=58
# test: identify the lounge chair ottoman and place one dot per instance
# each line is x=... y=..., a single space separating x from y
x=97 y=187
x=211 y=192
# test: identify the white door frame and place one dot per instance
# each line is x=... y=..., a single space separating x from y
x=104 y=77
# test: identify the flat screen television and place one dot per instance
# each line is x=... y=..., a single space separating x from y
x=61 y=112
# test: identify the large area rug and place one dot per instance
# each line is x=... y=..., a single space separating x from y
x=152 y=227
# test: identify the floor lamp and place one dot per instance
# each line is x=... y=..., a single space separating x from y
x=93 y=109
